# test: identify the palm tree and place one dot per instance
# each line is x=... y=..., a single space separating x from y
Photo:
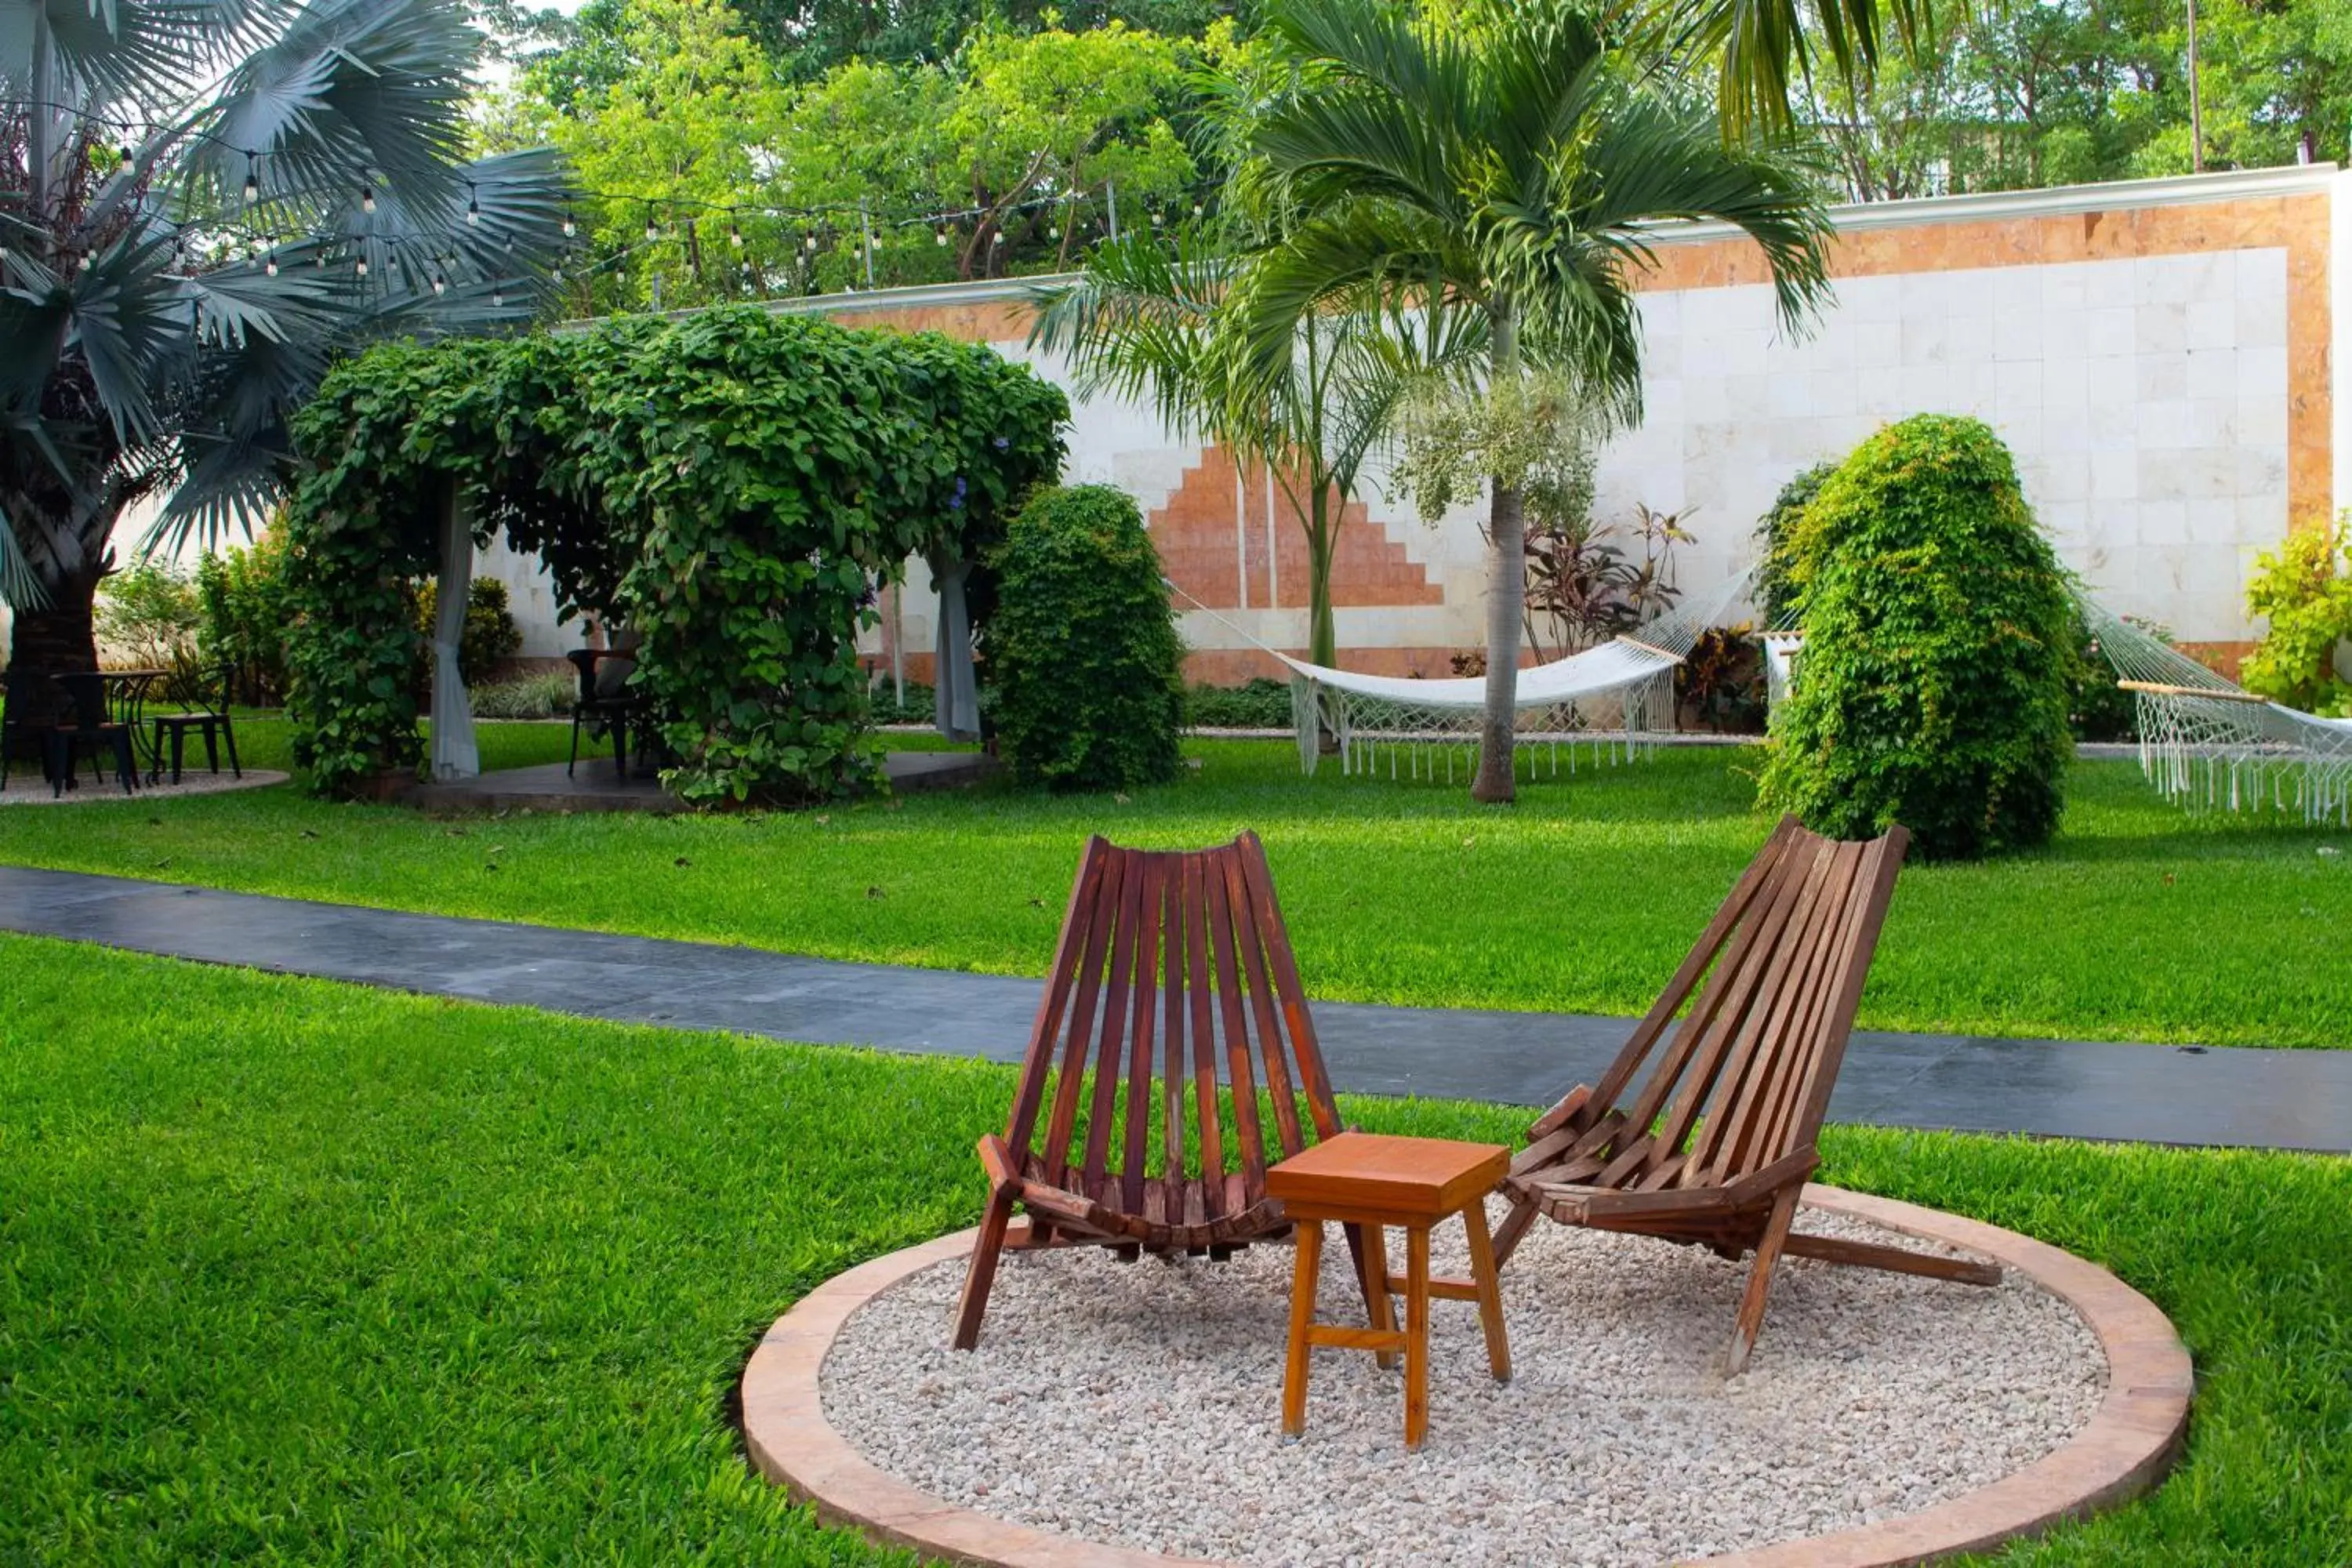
x=1507 y=175
x=1152 y=323
x=202 y=203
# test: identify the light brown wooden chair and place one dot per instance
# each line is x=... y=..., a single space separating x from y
x=1713 y=1144
x=1169 y=963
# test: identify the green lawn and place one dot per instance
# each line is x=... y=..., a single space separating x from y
x=2141 y=922
x=296 y=1271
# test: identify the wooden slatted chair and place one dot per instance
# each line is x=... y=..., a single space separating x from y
x=1713 y=1146
x=1168 y=965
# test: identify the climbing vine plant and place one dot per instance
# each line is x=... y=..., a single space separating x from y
x=730 y=484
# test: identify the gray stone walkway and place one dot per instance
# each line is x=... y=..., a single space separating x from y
x=2161 y=1094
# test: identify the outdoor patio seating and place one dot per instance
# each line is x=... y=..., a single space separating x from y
x=604 y=704
x=1714 y=1145
x=86 y=725
x=1164 y=923
x=204 y=702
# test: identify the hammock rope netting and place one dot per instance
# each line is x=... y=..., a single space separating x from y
x=1614 y=699
x=2207 y=744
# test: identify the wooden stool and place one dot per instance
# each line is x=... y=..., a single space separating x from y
x=1369 y=1180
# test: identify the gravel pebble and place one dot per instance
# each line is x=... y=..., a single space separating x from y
x=1141 y=1403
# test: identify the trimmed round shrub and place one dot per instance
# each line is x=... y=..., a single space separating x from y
x=1082 y=646
x=1933 y=686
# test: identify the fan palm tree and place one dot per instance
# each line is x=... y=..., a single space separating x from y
x=202 y=203
x=1507 y=175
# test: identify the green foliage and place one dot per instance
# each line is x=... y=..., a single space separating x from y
x=149 y=614
x=490 y=634
x=241 y=592
x=1259 y=704
x=1776 y=537
x=1083 y=648
x=2304 y=589
x=672 y=111
x=729 y=484
x=1938 y=638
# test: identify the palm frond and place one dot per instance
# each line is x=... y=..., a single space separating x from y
x=1139 y=325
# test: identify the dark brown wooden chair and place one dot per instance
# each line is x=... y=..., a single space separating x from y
x=1713 y=1144
x=1170 y=965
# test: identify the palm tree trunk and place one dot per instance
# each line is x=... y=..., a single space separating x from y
x=61 y=634
x=1323 y=638
x=1506 y=594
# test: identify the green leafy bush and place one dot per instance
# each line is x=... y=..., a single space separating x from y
x=1259 y=704
x=1776 y=544
x=148 y=614
x=1083 y=648
x=1938 y=642
x=730 y=484
x=2304 y=589
x=490 y=634
x=241 y=595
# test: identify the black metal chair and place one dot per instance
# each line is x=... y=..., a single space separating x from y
x=605 y=705
x=204 y=702
x=30 y=714
x=88 y=726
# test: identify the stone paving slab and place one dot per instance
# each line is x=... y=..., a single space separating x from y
x=2161 y=1094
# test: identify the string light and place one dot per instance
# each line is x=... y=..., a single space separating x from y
x=269 y=268
x=653 y=230
x=359 y=268
x=440 y=284
x=943 y=234
x=252 y=178
x=367 y=198
x=569 y=227
x=497 y=298
x=734 y=231
x=473 y=206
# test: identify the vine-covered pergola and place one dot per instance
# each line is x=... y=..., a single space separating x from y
x=731 y=485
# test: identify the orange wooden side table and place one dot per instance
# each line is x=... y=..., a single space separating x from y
x=1373 y=1181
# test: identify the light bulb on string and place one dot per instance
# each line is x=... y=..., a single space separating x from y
x=269 y=268
x=734 y=230
x=996 y=238
x=943 y=235
x=497 y=298
x=367 y=198
x=360 y=267
x=252 y=178
x=130 y=159
x=473 y=206
x=653 y=230
x=569 y=227
x=811 y=244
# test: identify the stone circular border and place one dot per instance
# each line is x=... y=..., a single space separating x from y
x=2131 y=1440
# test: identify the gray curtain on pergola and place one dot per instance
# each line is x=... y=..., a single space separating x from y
x=454 y=756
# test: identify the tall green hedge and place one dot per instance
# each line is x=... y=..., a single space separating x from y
x=1082 y=647
x=1932 y=689
x=730 y=484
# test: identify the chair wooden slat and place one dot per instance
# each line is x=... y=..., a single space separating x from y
x=1271 y=1050
x=1062 y=1122
x=1036 y=1066
x=1177 y=963
x=1298 y=1023
x=1204 y=1034
x=1239 y=1078
x=1110 y=1051
x=1136 y=1144
x=1714 y=1145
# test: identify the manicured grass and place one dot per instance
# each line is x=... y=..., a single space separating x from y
x=2141 y=922
x=297 y=1271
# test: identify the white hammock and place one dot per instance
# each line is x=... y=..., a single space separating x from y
x=1615 y=696
x=2204 y=742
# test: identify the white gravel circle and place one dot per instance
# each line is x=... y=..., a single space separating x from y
x=1140 y=1403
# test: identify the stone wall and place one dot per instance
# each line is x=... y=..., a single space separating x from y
x=2160 y=354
